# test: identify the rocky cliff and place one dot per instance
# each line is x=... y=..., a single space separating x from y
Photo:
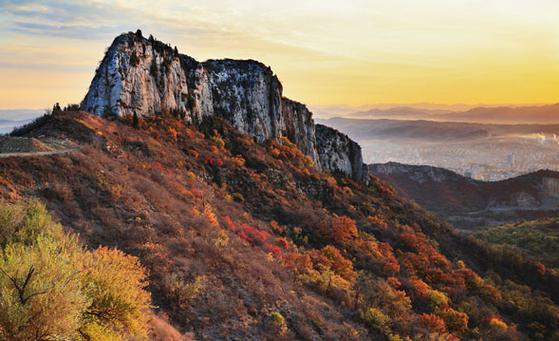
x=337 y=152
x=143 y=77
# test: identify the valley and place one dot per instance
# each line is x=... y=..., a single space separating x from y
x=481 y=151
x=472 y=205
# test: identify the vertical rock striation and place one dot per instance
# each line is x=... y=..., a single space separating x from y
x=338 y=153
x=300 y=129
x=143 y=77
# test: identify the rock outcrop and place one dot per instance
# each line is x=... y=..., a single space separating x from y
x=300 y=128
x=143 y=77
x=338 y=153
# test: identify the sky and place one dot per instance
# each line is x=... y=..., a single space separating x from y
x=327 y=53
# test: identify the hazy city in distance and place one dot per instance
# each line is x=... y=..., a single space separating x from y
x=484 y=143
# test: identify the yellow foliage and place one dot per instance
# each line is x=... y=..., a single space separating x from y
x=376 y=320
x=115 y=282
x=96 y=295
x=183 y=291
x=218 y=141
x=497 y=323
x=279 y=323
x=210 y=215
x=222 y=239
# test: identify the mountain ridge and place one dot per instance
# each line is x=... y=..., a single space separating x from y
x=499 y=114
x=470 y=203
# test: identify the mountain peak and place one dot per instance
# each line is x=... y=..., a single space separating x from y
x=144 y=77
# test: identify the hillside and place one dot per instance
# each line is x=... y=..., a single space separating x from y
x=472 y=204
x=539 y=239
x=249 y=241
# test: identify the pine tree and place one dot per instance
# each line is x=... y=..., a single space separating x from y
x=56 y=108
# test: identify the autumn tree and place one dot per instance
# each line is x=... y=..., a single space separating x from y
x=53 y=289
x=339 y=229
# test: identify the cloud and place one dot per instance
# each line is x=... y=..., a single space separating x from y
x=66 y=30
x=60 y=19
x=44 y=67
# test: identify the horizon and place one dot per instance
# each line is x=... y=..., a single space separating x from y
x=501 y=53
x=323 y=112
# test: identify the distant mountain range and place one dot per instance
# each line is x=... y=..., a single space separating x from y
x=471 y=204
x=363 y=129
x=498 y=115
x=11 y=118
x=7 y=126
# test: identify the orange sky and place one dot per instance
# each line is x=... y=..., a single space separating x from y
x=325 y=52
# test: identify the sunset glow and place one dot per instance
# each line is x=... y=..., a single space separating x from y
x=354 y=53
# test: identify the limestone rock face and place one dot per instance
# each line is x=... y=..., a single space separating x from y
x=137 y=77
x=247 y=94
x=300 y=128
x=337 y=152
x=145 y=77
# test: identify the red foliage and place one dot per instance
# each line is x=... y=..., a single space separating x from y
x=540 y=268
x=229 y=223
x=252 y=234
x=283 y=243
x=210 y=161
x=274 y=249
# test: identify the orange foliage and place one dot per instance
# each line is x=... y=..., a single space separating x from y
x=378 y=220
x=433 y=323
x=391 y=264
x=330 y=257
x=173 y=133
x=343 y=229
x=238 y=161
x=275 y=152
